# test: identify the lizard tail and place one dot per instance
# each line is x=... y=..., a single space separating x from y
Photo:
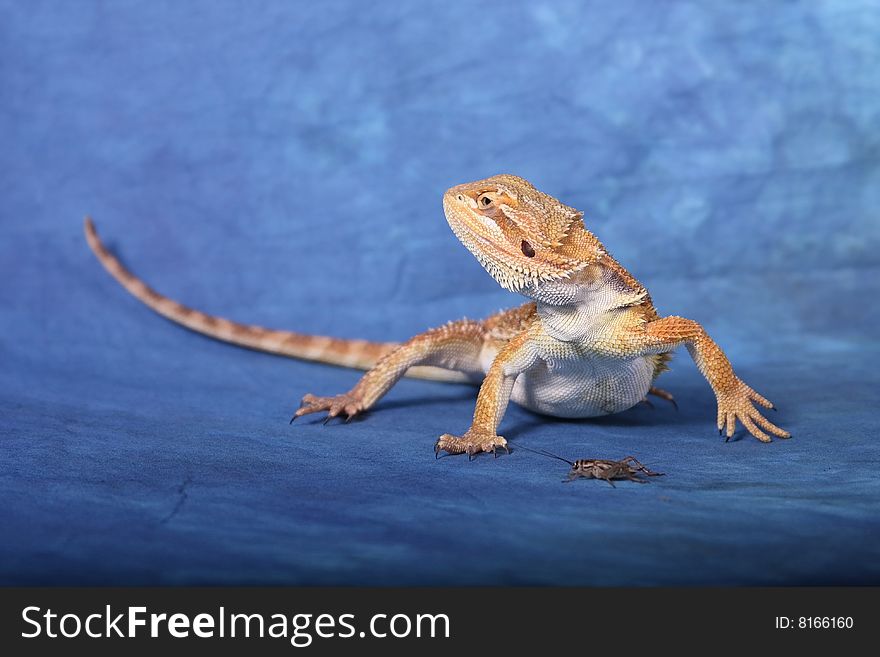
x=358 y=354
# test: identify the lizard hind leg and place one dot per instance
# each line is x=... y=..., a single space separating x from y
x=455 y=346
x=663 y=394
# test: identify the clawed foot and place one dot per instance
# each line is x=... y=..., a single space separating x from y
x=347 y=403
x=739 y=404
x=471 y=443
x=662 y=394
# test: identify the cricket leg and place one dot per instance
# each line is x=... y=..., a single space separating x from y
x=455 y=346
x=513 y=359
x=641 y=468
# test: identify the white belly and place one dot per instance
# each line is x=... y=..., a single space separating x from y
x=584 y=388
x=574 y=374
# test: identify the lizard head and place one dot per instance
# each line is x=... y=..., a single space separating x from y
x=520 y=235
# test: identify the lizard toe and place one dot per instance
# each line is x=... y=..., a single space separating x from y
x=472 y=443
x=347 y=403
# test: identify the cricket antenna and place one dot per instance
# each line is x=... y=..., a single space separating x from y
x=545 y=453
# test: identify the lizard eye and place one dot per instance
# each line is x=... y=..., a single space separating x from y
x=484 y=201
x=527 y=249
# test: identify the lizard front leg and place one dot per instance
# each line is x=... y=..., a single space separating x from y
x=513 y=359
x=736 y=400
x=455 y=346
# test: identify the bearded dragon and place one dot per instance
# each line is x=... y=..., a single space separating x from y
x=589 y=342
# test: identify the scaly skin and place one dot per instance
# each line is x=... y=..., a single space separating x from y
x=590 y=341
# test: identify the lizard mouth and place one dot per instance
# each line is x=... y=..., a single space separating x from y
x=489 y=245
x=470 y=226
x=512 y=260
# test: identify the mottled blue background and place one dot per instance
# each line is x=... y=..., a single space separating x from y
x=283 y=162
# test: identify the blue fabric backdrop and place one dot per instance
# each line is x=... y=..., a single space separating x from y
x=282 y=163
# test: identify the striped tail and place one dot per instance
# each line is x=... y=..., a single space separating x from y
x=358 y=354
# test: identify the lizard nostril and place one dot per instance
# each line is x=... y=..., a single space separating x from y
x=460 y=197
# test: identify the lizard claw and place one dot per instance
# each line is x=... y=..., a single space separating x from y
x=739 y=404
x=663 y=394
x=348 y=403
x=472 y=443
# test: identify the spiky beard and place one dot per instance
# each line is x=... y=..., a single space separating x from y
x=515 y=278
